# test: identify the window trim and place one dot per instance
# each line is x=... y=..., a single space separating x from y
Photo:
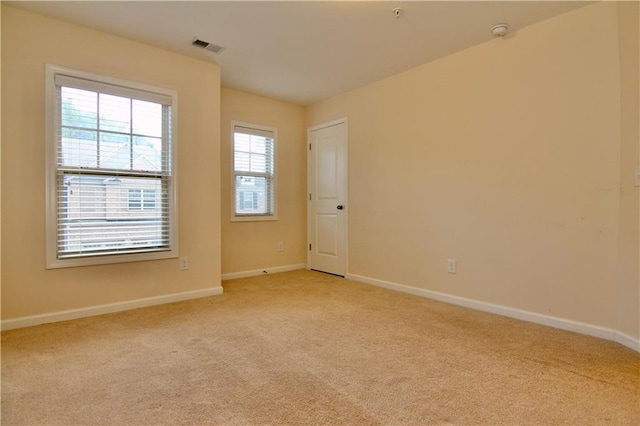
x=253 y=218
x=51 y=113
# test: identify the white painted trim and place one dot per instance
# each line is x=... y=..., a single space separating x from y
x=551 y=321
x=328 y=124
x=256 y=272
x=71 y=314
x=628 y=341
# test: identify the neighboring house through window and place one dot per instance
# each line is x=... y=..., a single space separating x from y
x=253 y=185
x=110 y=170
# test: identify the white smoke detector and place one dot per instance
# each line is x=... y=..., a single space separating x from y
x=499 y=30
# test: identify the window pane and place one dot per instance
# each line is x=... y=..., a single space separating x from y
x=242 y=142
x=115 y=151
x=247 y=181
x=100 y=213
x=147 y=118
x=252 y=198
x=242 y=162
x=115 y=113
x=258 y=163
x=252 y=153
x=258 y=144
x=79 y=108
x=79 y=148
x=147 y=154
x=85 y=197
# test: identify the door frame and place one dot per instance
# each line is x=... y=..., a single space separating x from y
x=345 y=121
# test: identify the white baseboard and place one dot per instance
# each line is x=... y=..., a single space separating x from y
x=561 y=323
x=106 y=309
x=256 y=272
x=628 y=341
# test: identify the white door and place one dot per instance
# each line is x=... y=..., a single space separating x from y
x=327 y=187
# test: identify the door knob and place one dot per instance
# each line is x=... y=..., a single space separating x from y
x=340 y=207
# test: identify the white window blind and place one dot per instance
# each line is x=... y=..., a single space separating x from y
x=254 y=193
x=114 y=177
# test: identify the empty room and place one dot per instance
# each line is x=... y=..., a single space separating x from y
x=319 y=212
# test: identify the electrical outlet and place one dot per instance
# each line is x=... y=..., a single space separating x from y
x=637 y=179
x=451 y=266
x=184 y=263
x=280 y=245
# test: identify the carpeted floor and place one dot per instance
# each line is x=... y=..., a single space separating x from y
x=308 y=348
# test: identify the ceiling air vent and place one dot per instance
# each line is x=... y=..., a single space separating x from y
x=208 y=46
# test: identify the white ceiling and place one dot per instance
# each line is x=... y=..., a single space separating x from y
x=305 y=51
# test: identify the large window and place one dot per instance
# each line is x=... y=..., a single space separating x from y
x=110 y=170
x=253 y=187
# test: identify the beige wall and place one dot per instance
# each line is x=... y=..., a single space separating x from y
x=628 y=309
x=248 y=246
x=30 y=41
x=0 y=158
x=506 y=157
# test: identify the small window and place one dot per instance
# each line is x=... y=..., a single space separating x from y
x=110 y=170
x=135 y=199
x=249 y=200
x=142 y=199
x=253 y=183
x=148 y=199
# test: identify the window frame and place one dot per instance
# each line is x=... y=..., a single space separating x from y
x=51 y=168
x=256 y=217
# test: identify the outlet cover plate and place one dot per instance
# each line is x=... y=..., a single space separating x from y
x=451 y=266
x=184 y=263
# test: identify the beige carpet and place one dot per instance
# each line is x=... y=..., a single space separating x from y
x=309 y=348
